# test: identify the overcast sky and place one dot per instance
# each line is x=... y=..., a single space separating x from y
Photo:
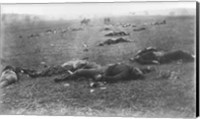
x=71 y=11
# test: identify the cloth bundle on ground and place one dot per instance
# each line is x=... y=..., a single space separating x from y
x=121 y=33
x=113 y=41
x=152 y=55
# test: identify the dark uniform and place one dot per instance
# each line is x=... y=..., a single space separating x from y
x=154 y=56
x=121 y=71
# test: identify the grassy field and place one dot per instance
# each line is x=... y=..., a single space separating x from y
x=151 y=97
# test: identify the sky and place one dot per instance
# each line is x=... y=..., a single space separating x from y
x=77 y=10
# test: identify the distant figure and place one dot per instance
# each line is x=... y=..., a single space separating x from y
x=85 y=21
x=8 y=76
x=152 y=55
x=107 y=21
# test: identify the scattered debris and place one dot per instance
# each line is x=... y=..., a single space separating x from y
x=92 y=90
x=171 y=75
x=126 y=25
x=163 y=75
x=85 y=47
x=34 y=35
x=174 y=75
x=44 y=64
x=93 y=84
x=66 y=84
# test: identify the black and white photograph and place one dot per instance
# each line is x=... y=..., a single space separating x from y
x=115 y=59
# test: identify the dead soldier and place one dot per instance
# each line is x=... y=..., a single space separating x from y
x=110 y=73
x=65 y=68
x=152 y=55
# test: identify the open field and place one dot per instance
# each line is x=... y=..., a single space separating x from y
x=139 y=98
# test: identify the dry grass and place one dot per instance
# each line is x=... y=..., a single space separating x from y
x=139 y=98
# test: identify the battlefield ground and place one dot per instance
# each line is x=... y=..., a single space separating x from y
x=28 y=43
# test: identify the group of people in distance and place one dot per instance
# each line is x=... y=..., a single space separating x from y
x=110 y=73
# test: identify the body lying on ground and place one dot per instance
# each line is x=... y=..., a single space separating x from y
x=159 y=23
x=8 y=76
x=66 y=67
x=111 y=73
x=121 y=33
x=139 y=29
x=152 y=55
x=113 y=41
